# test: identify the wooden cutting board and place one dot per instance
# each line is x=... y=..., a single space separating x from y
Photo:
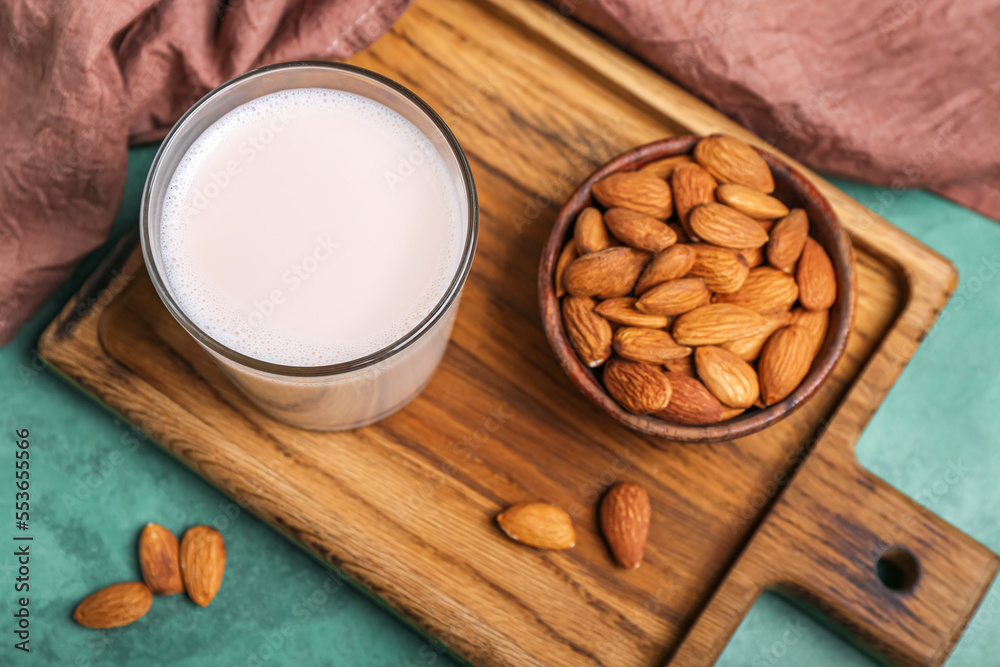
x=406 y=507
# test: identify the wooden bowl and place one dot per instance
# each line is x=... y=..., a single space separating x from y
x=792 y=189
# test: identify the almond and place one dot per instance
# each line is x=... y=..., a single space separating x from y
x=748 y=201
x=729 y=413
x=787 y=238
x=639 y=388
x=674 y=297
x=717 y=323
x=729 y=378
x=639 y=230
x=690 y=402
x=723 y=226
x=590 y=233
x=606 y=273
x=816 y=323
x=538 y=525
x=159 y=560
x=730 y=160
x=203 y=562
x=691 y=186
x=682 y=235
x=114 y=606
x=566 y=257
x=753 y=257
x=722 y=269
x=653 y=346
x=784 y=362
x=684 y=366
x=663 y=168
x=748 y=348
x=625 y=516
x=674 y=262
x=637 y=192
x=765 y=290
x=816 y=277
x=588 y=332
x=622 y=310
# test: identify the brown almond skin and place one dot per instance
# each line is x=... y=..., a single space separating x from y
x=729 y=378
x=538 y=525
x=588 y=333
x=665 y=167
x=637 y=387
x=691 y=402
x=652 y=346
x=749 y=347
x=203 y=563
x=722 y=269
x=639 y=230
x=606 y=273
x=787 y=238
x=114 y=606
x=684 y=366
x=566 y=257
x=816 y=277
x=726 y=227
x=717 y=323
x=748 y=201
x=692 y=186
x=159 y=560
x=784 y=362
x=635 y=191
x=622 y=310
x=674 y=297
x=670 y=264
x=730 y=160
x=625 y=517
x=754 y=257
x=589 y=232
x=766 y=290
x=816 y=323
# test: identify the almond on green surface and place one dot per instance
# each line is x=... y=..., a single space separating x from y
x=203 y=563
x=636 y=191
x=114 y=606
x=625 y=517
x=159 y=560
x=538 y=525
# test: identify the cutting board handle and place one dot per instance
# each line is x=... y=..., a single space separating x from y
x=898 y=580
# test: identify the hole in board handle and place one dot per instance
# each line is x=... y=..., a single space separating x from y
x=898 y=569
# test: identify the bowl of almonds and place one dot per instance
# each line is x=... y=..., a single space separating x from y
x=697 y=289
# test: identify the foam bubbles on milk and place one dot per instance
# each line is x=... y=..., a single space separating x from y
x=310 y=227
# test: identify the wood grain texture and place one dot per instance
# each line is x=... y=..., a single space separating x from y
x=406 y=507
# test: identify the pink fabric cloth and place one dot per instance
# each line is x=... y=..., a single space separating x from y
x=83 y=79
x=900 y=93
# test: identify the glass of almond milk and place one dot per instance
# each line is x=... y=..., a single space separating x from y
x=312 y=225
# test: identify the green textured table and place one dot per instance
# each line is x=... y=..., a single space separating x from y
x=95 y=483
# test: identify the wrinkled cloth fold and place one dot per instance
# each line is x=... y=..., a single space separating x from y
x=83 y=80
x=898 y=93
